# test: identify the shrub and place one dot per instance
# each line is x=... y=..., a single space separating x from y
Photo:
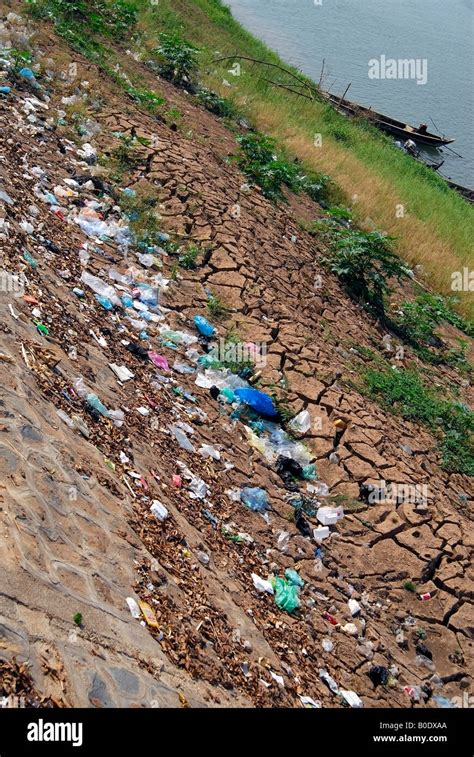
x=216 y=104
x=177 y=59
x=365 y=263
x=260 y=162
x=150 y=100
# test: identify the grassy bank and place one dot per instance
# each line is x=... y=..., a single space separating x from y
x=375 y=179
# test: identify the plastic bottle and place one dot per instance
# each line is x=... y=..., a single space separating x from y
x=159 y=510
x=30 y=259
x=93 y=400
x=80 y=387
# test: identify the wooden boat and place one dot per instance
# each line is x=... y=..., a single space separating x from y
x=465 y=192
x=385 y=123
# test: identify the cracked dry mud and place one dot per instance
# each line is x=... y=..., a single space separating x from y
x=76 y=538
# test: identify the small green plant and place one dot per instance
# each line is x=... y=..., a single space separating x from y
x=260 y=161
x=416 y=323
x=189 y=257
x=140 y=208
x=350 y=504
x=174 y=272
x=177 y=59
x=420 y=633
x=284 y=410
x=77 y=618
x=150 y=100
x=216 y=308
x=19 y=58
x=216 y=104
x=410 y=586
x=124 y=158
x=365 y=263
x=173 y=115
x=457 y=657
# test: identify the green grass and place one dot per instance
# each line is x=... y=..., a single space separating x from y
x=403 y=392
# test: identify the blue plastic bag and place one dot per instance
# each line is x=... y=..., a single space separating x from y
x=258 y=401
x=203 y=326
x=254 y=498
x=104 y=301
x=294 y=578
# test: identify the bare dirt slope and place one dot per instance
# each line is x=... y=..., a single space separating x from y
x=77 y=534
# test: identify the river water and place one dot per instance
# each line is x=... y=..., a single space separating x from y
x=350 y=33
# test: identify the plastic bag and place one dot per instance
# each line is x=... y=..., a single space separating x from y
x=286 y=595
x=288 y=470
x=258 y=401
x=255 y=499
x=181 y=438
x=203 y=326
x=301 y=423
x=158 y=360
x=294 y=578
x=100 y=287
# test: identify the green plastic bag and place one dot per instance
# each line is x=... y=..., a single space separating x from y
x=286 y=595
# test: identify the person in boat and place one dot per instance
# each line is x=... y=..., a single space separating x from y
x=410 y=147
x=423 y=129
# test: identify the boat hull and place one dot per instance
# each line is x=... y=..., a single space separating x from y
x=387 y=124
